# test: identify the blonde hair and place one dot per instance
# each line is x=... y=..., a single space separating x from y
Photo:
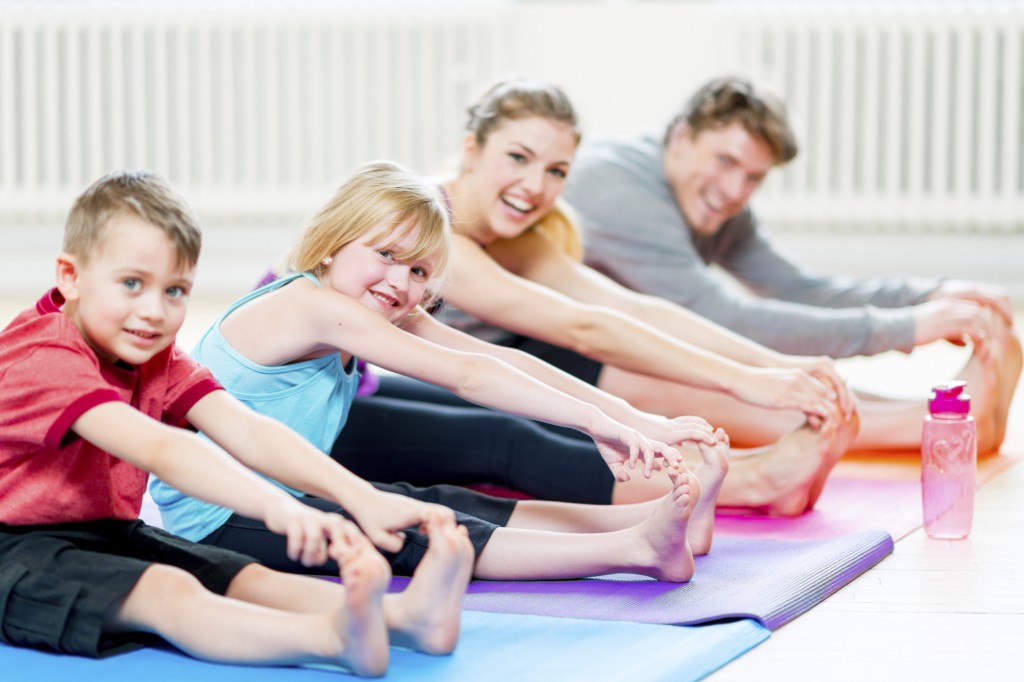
x=142 y=192
x=727 y=100
x=561 y=226
x=383 y=200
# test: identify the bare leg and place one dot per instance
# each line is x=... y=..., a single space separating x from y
x=656 y=547
x=349 y=632
x=885 y=424
x=425 y=617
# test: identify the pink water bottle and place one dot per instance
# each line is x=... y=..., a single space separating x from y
x=949 y=459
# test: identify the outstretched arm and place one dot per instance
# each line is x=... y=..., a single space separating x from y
x=485 y=289
x=672 y=431
x=199 y=468
x=271 y=448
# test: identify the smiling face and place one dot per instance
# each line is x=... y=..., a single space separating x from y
x=372 y=273
x=714 y=175
x=130 y=297
x=513 y=179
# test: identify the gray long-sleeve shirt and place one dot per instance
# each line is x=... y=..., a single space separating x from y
x=635 y=233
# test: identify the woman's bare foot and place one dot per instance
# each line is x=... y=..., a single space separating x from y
x=665 y=532
x=777 y=479
x=845 y=432
x=360 y=622
x=710 y=474
x=426 y=616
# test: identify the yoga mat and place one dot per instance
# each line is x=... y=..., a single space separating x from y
x=770 y=580
x=493 y=647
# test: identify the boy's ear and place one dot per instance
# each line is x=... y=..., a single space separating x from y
x=67 y=276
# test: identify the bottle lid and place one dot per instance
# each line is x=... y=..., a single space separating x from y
x=950 y=398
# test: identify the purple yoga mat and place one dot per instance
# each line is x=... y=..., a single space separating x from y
x=846 y=505
x=772 y=581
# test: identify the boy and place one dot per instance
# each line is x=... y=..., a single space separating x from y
x=92 y=389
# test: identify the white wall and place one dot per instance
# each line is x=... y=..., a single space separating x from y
x=627 y=65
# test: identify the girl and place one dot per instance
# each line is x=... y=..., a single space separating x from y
x=362 y=268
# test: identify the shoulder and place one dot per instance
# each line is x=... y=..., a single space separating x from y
x=46 y=342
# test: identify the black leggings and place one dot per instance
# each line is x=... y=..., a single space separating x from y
x=415 y=432
x=480 y=514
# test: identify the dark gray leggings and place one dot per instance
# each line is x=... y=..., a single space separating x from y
x=412 y=431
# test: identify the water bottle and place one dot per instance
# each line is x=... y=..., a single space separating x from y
x=949 y=459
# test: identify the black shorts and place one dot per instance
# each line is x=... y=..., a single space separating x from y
x=569 y=361
x=57 y=582
x=481 y=515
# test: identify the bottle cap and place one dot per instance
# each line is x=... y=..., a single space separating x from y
x=950 y=398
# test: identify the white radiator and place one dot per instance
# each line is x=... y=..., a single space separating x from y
x=246 y=109
x=910 y=115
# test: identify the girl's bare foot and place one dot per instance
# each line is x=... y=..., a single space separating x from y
x=710 y=474
x=426 y=616
x=360 y=622
x=665 y=532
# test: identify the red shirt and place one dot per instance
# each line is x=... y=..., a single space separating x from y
x=49 y=377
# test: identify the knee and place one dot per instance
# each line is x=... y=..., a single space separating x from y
x=169 y=584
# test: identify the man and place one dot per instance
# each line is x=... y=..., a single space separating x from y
x=657 y=214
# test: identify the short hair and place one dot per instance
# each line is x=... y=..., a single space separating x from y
x=380 y=197
x=517 y=99
x=730 y=99
x=142 y=192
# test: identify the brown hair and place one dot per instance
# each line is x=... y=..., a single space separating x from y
x=727 y=100
x=516 y=99
x=379 y=198
x=142 y=192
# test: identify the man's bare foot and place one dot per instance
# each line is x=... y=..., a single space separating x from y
x=982 y=379
x=710 y=474
x=665 y=532
x=360 y=621
x=777 y=479
x=1007 y=351
x=426 y=616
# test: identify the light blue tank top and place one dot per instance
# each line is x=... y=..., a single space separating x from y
x=312 y=397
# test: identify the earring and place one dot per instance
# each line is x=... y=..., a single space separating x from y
x=328 y=260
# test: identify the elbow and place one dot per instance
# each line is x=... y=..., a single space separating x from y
x=592 y=334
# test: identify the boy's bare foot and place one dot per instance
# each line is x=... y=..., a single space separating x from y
x=665 y=531
x=360 y=622
x=710 y=474
x=777 y=479
x=426 y=616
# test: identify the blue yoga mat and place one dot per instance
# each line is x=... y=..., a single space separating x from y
x=772 y=581
x=494 y=647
